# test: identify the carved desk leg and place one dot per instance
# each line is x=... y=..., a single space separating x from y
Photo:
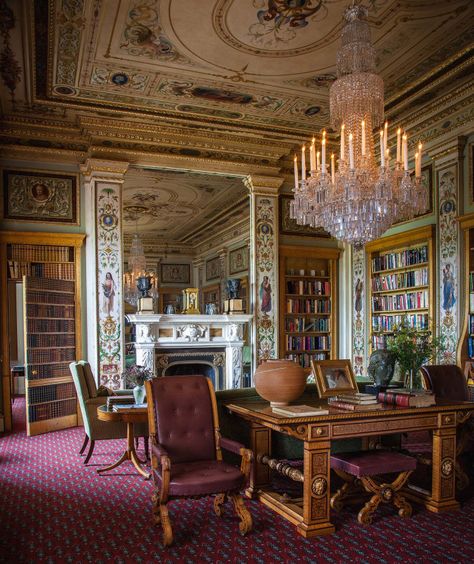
x=316 y=489
x=444 y=457
x=260 y=440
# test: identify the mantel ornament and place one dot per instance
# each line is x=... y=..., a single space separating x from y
x=192 y=332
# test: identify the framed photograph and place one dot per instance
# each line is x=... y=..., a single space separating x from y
x=289 y=226
x=213 y=268
x=40 y=196
x=239 y=260
x=175 y=274
x=333 y=377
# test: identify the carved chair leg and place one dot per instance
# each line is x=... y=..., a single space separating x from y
x=218 y=502
x=166 y=524
x=155 y=498
x=89 y=453
x=365 y=514
x=84 y=444
x=245 y=524
x=351 y=486
x=404 y=508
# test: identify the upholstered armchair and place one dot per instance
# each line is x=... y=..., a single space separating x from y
x=447 y=381
x=186 y=447
x=89 y=401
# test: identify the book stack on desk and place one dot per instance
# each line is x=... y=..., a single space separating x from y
x=407 y=398
x=355 y=402
x=114 y=400
x=299 y=410
x=126 y=406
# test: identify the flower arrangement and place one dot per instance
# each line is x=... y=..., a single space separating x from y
x=413 y=347
x=135 y=375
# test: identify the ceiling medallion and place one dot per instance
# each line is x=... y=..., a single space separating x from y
x=360 y=201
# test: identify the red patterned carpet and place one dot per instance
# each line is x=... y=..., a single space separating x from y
x=55 y=509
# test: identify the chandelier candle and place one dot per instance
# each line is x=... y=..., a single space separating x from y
x=359 y=200
x=295 y=161
x=312 y=155
x=303 y=163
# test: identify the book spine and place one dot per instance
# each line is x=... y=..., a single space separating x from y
x=391 y=398
x=343 y=405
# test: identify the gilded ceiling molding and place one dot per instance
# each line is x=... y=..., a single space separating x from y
x=40 y=154
x=106 y=170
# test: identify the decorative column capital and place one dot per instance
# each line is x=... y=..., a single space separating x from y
x=263 y=185
x=104 y=170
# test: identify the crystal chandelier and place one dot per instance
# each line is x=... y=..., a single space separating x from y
x=136 y=269
x=360 y=201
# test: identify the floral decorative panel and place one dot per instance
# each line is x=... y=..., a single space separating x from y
x=358 y=325
x=266 y=247
x=448 y=273
x=109 y=273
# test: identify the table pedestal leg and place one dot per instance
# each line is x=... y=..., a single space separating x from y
x=260 y=440
x=129 y=454
x=316 y=490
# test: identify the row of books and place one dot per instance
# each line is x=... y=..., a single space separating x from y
x=309 y=305
x=52 y=410
x=44 y=356
x=419 y=321
x=411 y=300
x=304 y=359
x=400 y=280
x=44 y=371
x=407 y=398
x=40 y=253
x=50 y=325
x=47 y=340
x=471 y=302
x=316 y=287
x=379 y=341
x=51 y=284
x=18 y=269
x=470 y=346
x=471 y=323
x=308 y=343
x=45 y=310
x=307 y=324
x=408 y=257
x=41 y=394
x=471 y=281
x=37 y=296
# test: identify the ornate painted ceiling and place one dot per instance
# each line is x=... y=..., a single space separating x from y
x=181 y=208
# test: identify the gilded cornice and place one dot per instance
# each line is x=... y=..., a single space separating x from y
x=96 y=169
x=41 y=154
x=263 y=185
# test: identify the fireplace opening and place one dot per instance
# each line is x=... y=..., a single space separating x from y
x=191 y=369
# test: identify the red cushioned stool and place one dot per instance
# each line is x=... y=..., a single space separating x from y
x=367 y=468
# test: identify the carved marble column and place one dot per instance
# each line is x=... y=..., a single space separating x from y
x=104 y=258
x=264 y=264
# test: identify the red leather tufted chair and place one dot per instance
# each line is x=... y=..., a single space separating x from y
x=186 y=449
x=447 y=381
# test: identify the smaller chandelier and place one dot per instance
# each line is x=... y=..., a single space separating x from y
x=360 y=201
x=137 y=269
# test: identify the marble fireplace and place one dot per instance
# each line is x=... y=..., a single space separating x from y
x=192 y=344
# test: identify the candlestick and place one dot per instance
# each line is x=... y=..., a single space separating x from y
x=295 y=162
x=418 y=172
x=405 y=152
x=312 y=155
x=333 y=172
x=363 y=138
x=303 y=163
x=351 y=152
x=385 y=136
x=323 y=153
x=399 y=148
x=382 y=151
x=342 y=142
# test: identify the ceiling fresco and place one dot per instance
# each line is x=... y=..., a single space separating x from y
x=258 y=63
x=175 y=207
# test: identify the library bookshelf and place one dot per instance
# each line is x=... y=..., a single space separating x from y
x=308 y=303
x=49 y=267
x=400 y=278
x=465 y=352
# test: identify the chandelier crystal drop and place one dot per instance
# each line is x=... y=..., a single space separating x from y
x=359 y=201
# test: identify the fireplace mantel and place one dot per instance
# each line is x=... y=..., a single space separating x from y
x=201 y=332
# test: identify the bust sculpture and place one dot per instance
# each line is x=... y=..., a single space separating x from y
x=381 y=366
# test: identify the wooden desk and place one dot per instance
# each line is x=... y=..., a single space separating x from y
x=129 y=416
x=311 y=514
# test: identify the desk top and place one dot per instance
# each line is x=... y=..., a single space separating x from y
x=261 y=411
x=130 y=415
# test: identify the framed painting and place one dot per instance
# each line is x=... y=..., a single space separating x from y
x=213 y=268
x=175 y=274
x=333 y=377
x=239 y=260
x=289 y=226
x=40 y=196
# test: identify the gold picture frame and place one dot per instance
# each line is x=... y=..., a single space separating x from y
x=333 y=377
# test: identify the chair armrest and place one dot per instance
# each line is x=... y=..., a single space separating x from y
x=160 y=457
x=158 y=450
x=238 y=448
x=231 y=445
x=99 y=400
